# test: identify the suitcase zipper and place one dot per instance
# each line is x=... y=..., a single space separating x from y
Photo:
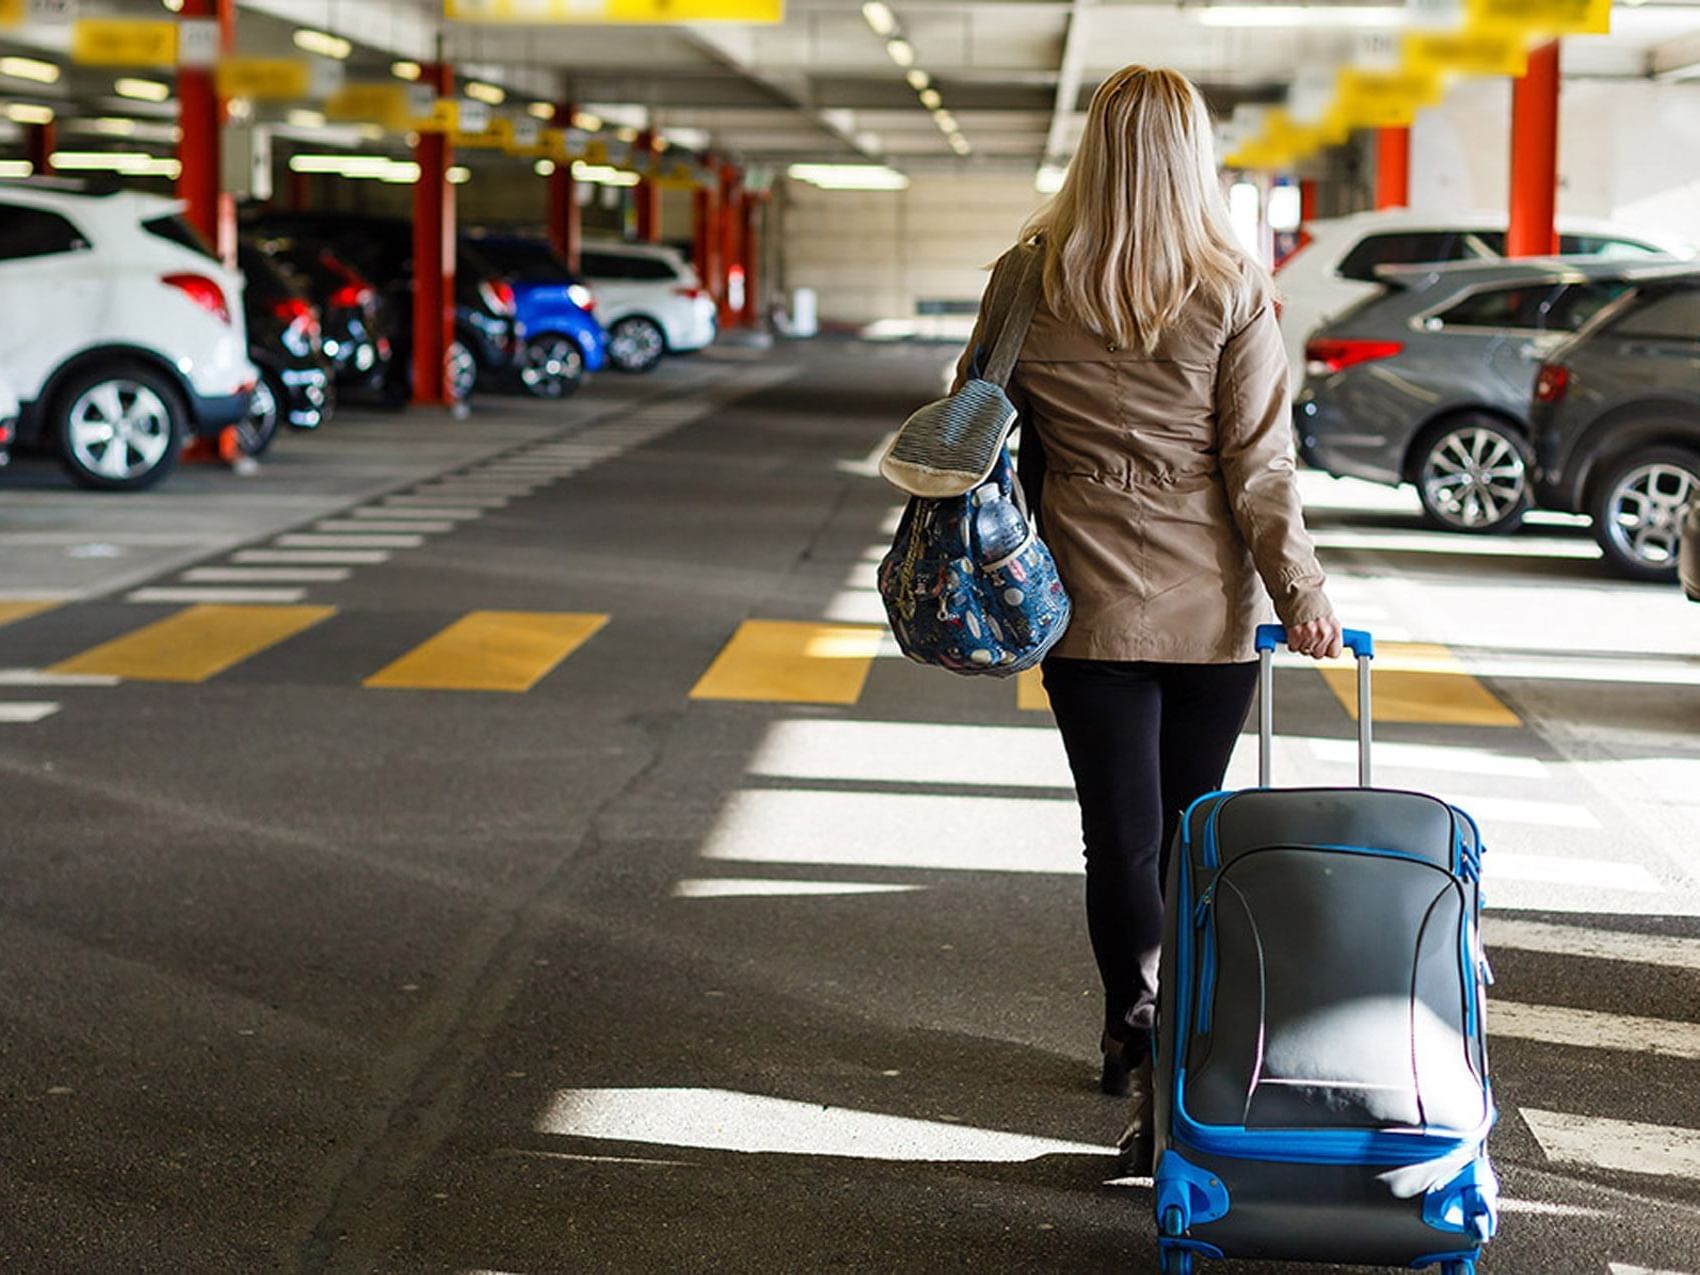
x=1204 y=919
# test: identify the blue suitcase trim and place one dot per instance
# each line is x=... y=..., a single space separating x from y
x=1469 y=1204
x=1194 y=1195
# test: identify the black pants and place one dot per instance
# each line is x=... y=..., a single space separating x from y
x=1144 y=740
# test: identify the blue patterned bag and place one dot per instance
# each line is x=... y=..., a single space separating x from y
x=968 y=584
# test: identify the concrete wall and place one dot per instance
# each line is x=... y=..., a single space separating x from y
x=873 y=255
x=1628 y=150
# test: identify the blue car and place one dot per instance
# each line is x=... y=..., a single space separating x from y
x=563 y=340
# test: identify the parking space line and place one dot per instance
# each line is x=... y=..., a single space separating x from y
x=22 y=609
x=353 y=526
x=1596 y=945
x=344 y=557
x=26 y=713
x=195 y=643
x=1622 y=1146
x=790 y=662
x=266 y=575
x=491 y=651
x=382 y=513
x=311 y=540
x=1421 y=682
x=1592 y=1029
x=445 y=500
x=214 y=593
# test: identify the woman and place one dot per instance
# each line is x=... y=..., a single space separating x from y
x=1154 y=383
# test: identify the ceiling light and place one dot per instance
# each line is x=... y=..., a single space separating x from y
x=142 y=90
x=176 y=6
x=918 y=79
x=114 y=126
x=16 y=168
x=627 y=134
x=945 y=120
x=931 y=100
x=376 y=167
x=239 y=108
x=459 y=175
x=129 y=163
x=301 y=117
x=849 y=176
x=880 y=17
x=902 y=52
x=29 y=113
x=544 y=168
x=660 y=144
x=1300 y=15
x=602 y=174
x=405 y=70
x=30 y=69
x=323 y=43
x=489 y=94
x=588 y=122
x=959 y=144
x=1049 y=179
x=371 y=132
x=541 y=110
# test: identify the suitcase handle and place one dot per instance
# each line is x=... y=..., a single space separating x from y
x=1269 y=636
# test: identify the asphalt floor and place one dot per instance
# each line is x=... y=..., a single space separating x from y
x=577 y=880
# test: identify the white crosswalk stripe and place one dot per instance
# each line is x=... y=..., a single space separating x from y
x=1599 y=945
x=25 y=713
x=1559 y=1025
x=1622 y=1146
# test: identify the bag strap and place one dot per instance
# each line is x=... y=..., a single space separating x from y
x=1016 y=314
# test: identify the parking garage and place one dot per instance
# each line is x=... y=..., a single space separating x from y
x=466 y=808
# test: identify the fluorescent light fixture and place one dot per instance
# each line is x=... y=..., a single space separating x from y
x=113 y=125
x=128 y=163
x=918 y=79
x=29 y=113
x=1283 y=212
x=602 y=174
x=541 y=111
x=1300 y=15
x=373 y=167
x=405 y=70
x=691 y=139
x=371 y=132
x=544 y=168
x=902 y=52
x=459 y=175
x=589 y=122
x=35 y=69
x=301 y=117
x=16 y=168
x=626 y=134
x=489 y=94
x=959 y=144
x=880 y=17
x=931 y=100
x=849 y=176
x=323 y=43
x=176 y=6
x=1244 y=204
x=1049 y=179
x=142 y=90
x=945 y=120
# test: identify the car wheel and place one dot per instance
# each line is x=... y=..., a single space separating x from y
x=1638 y=505
x=265 y=414
x=460 y=372
x=1473 y=476
x=552 y=367
x=120 y=427
x=636 y=344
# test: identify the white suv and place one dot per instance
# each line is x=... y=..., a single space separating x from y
x=649 y=300
x=1336 y=267
x=120 y=333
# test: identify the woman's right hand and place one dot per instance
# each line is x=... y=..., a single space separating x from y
x=1319 y=639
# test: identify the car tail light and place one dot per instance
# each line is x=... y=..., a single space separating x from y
x=1327 y=355
x=691 y=292
x=1551 y=382
x=203 y=291
x=582 y=297
x=296 y=312
x=351 y=296
x=498 y=295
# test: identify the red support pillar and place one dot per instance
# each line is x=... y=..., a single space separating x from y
x=433 y=256
x=564 y=221
x=39 y=147
x=1307 y=200
x=646 y=194
x=705 y=240
x=1393 y=168
x=201 y=116
x=731 y=199
x=750 y=254
x=1534 y=156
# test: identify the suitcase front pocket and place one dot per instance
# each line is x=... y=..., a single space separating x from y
x=1334 y=990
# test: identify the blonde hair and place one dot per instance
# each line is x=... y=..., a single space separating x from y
x=1139 y=225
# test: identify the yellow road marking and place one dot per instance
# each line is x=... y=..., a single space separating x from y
x=793 y=663
x=23 y=609
x=491 y=651
x=1421 y=682
x=1030 y=691
x=195 y=643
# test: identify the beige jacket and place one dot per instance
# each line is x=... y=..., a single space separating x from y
x=1169 y=491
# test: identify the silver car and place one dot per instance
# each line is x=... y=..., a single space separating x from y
x=1429 y=381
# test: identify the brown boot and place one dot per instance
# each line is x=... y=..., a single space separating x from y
x=1137 y=1145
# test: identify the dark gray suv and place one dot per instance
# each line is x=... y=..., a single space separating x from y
x=1616 y=419
x=1429 y=381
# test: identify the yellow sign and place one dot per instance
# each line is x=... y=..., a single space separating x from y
x=370 y=103
x=614 y=12
x=1541 y=17
x=124 y=42
x=1469 y=52
x=12 y=12
x=444 y=117
x=499 y=136
x=265 y=79
x=596 y=152
x=1384 y=99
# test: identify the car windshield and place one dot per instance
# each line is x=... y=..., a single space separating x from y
x=530 y=260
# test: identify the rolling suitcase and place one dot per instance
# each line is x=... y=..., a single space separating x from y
x=1321 y=1061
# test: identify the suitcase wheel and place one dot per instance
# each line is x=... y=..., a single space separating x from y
x=1177 y=1261
x=1174 y=1221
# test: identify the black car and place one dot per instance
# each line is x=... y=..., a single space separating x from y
x=1616 y=423
x=355 y=329
x=283 y=341
x=487 y=339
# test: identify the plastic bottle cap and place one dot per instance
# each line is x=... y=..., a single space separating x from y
x=985 y=495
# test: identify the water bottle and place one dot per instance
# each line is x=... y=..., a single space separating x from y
x=999 y=526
